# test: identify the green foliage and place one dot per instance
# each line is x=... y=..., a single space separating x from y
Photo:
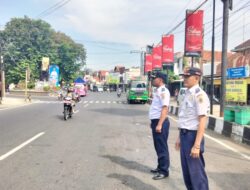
x=31 y=85
x=46 y=88
x=27 y=40
x=172 y=76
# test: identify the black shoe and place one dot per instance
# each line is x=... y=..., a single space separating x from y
x=154 y=171
x=160 y=176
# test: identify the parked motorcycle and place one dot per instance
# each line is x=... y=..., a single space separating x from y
x=67 y=108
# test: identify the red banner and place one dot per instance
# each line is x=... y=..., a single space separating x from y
x=194 y=33
x=168 y=49
x=156 y=61
x=148 y=63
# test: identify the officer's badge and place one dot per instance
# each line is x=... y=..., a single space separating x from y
x=163 y=89
x=162 y=96
x=200 y=99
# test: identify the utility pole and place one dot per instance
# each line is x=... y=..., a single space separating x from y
x=2 y=75
x=226 y=5
x=212 y=63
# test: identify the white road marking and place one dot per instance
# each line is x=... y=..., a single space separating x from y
x=91 y=102
x=114 y=102
x=76 y=111
x=96 y=102
x=86 y=105
x=108 y=102
x=103 y=102
x=21 y=146
x=221 y=143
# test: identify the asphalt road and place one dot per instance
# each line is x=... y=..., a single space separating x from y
x=107 y=145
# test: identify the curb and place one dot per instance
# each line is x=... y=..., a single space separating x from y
x=239 y=133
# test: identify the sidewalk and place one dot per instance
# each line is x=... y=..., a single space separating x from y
x=9 y=102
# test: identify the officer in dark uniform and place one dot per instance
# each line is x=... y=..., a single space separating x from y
x=193 y=113
x=160 y=125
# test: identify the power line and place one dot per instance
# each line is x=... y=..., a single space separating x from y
x=179 y=24
x=53 y=8
x=236 y=11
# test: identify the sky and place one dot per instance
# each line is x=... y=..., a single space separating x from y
x=111 y=29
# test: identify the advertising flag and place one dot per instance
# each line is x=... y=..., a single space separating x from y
x=167 y=49
x=194 y=33
x=156 y=57
x=148 y=63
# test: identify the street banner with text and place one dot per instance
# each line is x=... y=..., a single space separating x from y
x=194 y=33
x=148 y=63
x=156 y=57
x=167 y=49
x=236 y=91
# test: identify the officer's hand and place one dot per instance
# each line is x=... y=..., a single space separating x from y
x=195 y=152
x=158 y=129
x=177 y=144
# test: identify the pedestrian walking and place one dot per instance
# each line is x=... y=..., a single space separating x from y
x=160 y=125
x=193 y=113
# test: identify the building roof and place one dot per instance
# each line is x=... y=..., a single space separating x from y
x=244 y=46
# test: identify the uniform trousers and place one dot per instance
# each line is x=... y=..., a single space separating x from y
x=193 y=169
x=161 y=146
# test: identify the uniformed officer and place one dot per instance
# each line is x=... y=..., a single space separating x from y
x=160 y=125
x=192 y=121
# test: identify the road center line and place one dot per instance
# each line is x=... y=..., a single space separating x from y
x=85 y=105
x=221 y=143
x=21 y=146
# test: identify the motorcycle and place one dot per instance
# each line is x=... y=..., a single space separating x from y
x=61 y=95
x=119 y=94
x=77 y=97
x=67 y=108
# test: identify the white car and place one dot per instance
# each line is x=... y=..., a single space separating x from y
x=181 y=95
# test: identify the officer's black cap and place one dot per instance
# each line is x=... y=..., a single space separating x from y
x=192 y=71
x=159 y=75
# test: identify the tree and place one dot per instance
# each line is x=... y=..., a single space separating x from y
x=27 y=41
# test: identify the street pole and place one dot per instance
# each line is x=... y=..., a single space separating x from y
x=26 y=84
x=2 y=76
x=224 y=55
x=212 y=63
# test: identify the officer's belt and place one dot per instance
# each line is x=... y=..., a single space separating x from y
x=186 y=130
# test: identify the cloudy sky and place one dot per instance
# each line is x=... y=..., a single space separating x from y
x=111 y=29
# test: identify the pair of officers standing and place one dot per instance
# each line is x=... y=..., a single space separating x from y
x=192 y=115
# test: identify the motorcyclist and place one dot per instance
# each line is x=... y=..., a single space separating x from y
x=71 y=94
x=119 y=91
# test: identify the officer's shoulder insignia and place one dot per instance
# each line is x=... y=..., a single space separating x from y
x=197 y=90
x=163 y=89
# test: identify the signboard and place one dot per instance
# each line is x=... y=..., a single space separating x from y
x=236 y=90
x=168 y=49
x=194 y=33
x=156 y=59
x=54 y=75
x=113 y=78
x=45 y=63
x=237 y=72
x=148 y=63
